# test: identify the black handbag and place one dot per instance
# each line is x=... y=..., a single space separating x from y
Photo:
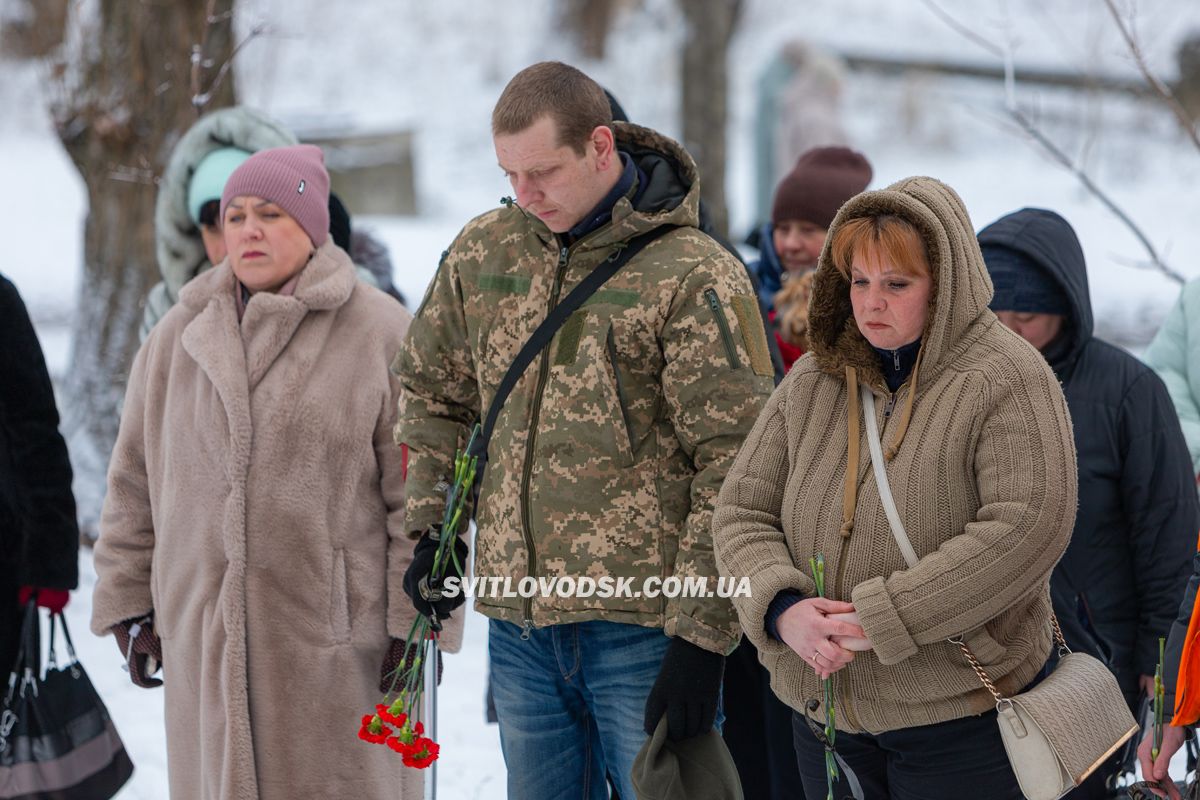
x=57 y=741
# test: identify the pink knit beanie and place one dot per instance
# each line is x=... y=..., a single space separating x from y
x=293 y=178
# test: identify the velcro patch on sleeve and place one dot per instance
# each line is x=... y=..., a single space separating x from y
x=753 y=334
x=619 y=297
x=513 y=284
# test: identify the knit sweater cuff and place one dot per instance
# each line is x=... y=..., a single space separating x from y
x=890 y=640
x=765 y=584
x=782 y=602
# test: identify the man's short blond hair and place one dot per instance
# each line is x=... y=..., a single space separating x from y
x=576 y=103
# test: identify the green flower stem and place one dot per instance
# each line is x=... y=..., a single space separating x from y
x=1159 y=697
x=464 y=479
x=409 y=677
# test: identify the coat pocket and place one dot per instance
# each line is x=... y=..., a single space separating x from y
x=339 y=598
x=162 y=625
x=622 y=398
x=583 y=420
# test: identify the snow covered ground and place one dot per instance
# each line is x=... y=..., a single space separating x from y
x=470 y=767
x=405 y=63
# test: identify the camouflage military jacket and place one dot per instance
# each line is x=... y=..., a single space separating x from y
x=610 y=451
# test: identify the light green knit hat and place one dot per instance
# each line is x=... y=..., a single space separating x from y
x=208 y=181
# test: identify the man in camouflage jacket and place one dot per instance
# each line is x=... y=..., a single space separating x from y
x=609 y=453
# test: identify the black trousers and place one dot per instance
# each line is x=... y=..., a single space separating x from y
x=758 y=729
x=962 y=758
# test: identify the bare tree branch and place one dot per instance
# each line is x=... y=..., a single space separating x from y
x=963 y=30
x=1062 y=158
x=200 y=100
x=200 y=63
x=1054 y=151
x=1156 y=84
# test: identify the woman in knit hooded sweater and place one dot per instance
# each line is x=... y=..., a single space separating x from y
x=981 y=463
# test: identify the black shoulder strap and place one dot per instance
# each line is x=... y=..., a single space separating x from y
x=545 y=332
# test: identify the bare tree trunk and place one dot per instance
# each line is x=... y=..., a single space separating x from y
x=35 y=33
x=125 y=99
x=711 y=24
x=589 y=22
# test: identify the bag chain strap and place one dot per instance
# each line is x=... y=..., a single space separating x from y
x=1001 y=700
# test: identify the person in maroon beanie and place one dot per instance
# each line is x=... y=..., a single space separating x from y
x=39 y=536
x=758 y=724
x=805 y=202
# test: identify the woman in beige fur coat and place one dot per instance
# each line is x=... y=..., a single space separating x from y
x=254 y=525
x=981 y=462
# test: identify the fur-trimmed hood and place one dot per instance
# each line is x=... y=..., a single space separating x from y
x=178 y=246
x=962 y=288
x=671 y=195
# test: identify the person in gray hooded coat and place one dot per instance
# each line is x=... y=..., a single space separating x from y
x=187 y=232
x=178 y=239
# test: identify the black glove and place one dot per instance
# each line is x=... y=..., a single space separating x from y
x=391 y=662
x=141 y=649
x=425 y=593
x=687 y=690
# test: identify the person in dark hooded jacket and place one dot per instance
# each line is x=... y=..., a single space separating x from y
x=39 y=536
x=1119 y=585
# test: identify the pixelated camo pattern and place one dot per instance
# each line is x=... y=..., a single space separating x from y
x=609 y=453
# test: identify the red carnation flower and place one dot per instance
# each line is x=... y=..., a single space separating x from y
x=373 y=730
x=399 y=745
x=392 y=714
x=423 y=753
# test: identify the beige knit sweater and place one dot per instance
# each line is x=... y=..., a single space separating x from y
x=983 y=475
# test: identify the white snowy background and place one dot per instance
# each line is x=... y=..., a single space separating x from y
x=437 y=69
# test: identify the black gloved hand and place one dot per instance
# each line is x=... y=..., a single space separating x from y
x=142 y=650
x=687 y=690
x=391 y=662
x=425 y=593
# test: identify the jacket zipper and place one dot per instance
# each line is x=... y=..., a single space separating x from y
x=715 y=304
x=612 y=357
x=526 y=516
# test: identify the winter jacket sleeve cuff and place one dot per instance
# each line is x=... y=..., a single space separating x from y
x=782 y=602
x=890 y=640
x=700 y=634
x=419 y=520
x=765 y=585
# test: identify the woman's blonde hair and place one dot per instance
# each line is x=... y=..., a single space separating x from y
x=883 y=237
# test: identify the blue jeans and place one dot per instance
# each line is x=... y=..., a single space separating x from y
x=571 y=701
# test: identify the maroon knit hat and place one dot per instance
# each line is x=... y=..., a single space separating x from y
x=823 y=179
x=293 y=178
